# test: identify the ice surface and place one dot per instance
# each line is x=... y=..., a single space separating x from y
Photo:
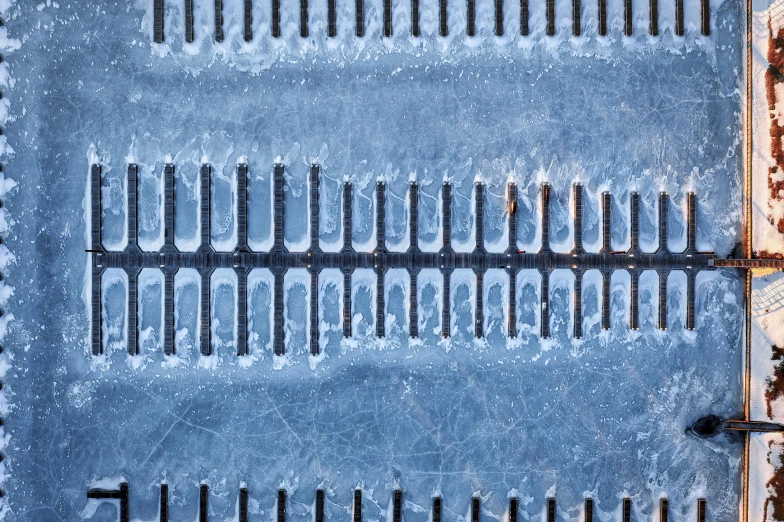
x=560 y=312
x=296 y=308
x=114 y=287
x=620 y=292
x=496 y=225
x=363 y=299
x=363 y=223
x=676 y=299
x=496 y=296
x=330 y=310
x=187 y=294
x=187 y=194
x=223 y=309
x=260 y=311
x=396 y=288
x=430 y=289
x=649 y=299
x=330 y=213
x=604 y=415
x=224 y=209
x=150 y=310
x=260 y=224
x=297 y=204
x=463 y=301
x=463 y=215
x=430 y=226
x=592 y=307
x=397 y=204
x=561 y=219
x=115 y=228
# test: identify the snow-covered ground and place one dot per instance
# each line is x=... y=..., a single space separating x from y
x=767 y=298
x=603 y=416
x=766 y=210
x=764 y=457
x=767 y=336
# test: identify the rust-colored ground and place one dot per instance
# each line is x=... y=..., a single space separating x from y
x=769 y=255
x=776 y=382
x=775 y=503
x=775 y=390
x=774 y=76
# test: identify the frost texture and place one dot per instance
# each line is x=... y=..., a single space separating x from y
x=604 y=416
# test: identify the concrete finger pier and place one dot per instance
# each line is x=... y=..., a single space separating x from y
x=278 y=260
x=122 y=494
x=274 y=6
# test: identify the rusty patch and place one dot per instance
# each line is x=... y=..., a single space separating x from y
x=775 y=387
x=773 y=77
x=764 y=254
x=776 y=502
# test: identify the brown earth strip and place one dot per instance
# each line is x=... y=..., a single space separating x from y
x=774 y=76
x=776 y=382
x=776 y=502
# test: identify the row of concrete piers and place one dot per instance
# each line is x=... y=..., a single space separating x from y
x=279 y=260
x=443 y=26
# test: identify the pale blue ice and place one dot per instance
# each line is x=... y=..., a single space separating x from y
x=603 y=417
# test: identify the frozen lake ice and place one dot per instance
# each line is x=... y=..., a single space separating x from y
x=601 y=417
